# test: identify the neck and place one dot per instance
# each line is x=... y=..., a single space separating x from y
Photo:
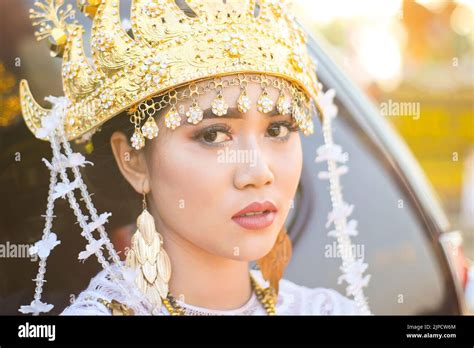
x=205 y=280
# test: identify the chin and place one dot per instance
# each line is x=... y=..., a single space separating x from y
x=255 y=248
x=247 y=257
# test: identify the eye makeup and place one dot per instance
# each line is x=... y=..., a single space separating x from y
x=220 y=134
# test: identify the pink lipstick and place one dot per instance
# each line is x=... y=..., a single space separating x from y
x=256 y=215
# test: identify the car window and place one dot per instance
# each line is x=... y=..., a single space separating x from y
x=406 y=267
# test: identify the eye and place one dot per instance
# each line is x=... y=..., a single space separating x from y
x=281 y=129
x=213 y=135
x=278 y=130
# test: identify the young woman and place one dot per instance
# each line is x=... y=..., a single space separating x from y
x=216 y=157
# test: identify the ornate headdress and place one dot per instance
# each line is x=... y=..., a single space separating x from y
x=170 y=54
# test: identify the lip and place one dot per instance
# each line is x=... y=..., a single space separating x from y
x=255 y=222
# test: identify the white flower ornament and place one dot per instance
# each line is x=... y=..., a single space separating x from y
x=43 y=247
x=91 y=248
x=36 y=307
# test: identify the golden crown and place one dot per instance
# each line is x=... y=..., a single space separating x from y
x=167 y=48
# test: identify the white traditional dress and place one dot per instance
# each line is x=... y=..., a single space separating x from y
x=292 y=300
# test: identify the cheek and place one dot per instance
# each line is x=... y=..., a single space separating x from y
x=288 y=168
x=187 y=185
x=287 y=163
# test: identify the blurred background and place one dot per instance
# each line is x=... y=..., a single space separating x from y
x=417 y=53
x=413 y=58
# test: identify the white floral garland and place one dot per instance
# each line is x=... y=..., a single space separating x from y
x=52 y=128
x=352 y=268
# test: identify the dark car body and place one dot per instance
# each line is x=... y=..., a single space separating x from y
x=400 y=220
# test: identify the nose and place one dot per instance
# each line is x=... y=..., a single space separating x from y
x=253 y=173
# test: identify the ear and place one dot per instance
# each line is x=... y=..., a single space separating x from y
x=132 y=163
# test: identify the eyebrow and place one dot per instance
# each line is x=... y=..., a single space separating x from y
x=233 y=113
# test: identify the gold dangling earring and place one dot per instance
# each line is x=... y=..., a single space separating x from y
x=274 y=263
x=148 y=256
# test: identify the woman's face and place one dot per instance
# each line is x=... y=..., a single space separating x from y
x=202 y=175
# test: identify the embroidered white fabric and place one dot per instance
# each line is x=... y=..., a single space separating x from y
x=292 y=300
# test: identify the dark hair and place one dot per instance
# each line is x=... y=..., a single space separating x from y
x=111 y=191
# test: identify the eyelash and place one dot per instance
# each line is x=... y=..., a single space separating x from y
x=224 y=128
x=291 y=126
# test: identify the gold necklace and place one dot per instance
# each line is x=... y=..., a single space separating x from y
x=267 y=298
